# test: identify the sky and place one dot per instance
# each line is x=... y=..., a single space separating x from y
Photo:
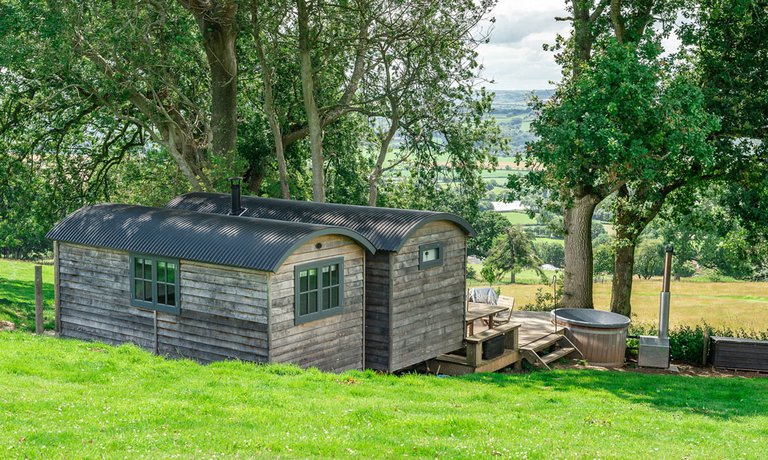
x=514 y=58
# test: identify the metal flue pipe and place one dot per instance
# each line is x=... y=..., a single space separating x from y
x=236 y=208
x=664 y=300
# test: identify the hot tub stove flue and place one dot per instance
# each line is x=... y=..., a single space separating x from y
x=654 y=351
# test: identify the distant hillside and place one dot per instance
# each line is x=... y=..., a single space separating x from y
x=510 y=108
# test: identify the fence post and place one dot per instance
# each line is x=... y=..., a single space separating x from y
x=38 y=299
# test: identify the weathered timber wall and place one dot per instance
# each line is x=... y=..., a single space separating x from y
x=330 y=344
x=377 y=306
x=223 y=310
x=427 y=305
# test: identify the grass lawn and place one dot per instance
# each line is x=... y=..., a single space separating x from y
x=71 y=399
x=518 y=218
x=17 y=294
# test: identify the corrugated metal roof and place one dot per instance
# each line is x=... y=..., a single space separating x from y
x=259 y=244
x=387 y=228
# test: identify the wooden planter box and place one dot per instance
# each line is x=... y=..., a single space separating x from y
x=732 y=353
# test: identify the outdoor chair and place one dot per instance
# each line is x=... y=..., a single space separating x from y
x=506 y=315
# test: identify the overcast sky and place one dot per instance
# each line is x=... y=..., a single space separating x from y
x=514 y=58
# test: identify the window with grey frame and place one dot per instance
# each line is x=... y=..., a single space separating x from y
x=155 y=283
x=430 y=255
x=319 y=289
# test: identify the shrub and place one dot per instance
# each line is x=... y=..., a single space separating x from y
x=471 y=272
x=686 y=343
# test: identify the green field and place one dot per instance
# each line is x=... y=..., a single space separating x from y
x=70 y=399
x=518 y=218
x=17 y=294
x=735 y=305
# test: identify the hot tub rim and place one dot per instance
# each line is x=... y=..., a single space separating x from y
x=624 y=324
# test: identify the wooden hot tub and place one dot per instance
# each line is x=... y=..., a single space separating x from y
x=600 y=335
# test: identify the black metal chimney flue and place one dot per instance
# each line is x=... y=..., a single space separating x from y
x=236 y=209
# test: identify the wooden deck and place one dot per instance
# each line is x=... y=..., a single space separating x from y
x=535 y=325
x=535 y=329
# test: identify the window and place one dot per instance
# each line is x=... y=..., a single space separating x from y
x=155 y=284
x=430 y=255
x=319 y=289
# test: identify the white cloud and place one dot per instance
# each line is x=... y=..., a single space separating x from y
x=514 y=58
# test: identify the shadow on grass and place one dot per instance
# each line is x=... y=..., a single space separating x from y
x=17 y=303
x=714 y=397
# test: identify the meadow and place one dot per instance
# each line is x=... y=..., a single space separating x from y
x=731 y=304
x=63 y=398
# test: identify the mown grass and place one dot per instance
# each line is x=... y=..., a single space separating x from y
x=17 y=294
x=70 y=399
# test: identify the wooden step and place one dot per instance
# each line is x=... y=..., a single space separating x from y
x=491 y=333
x=542 y=343
x=483 y=336
x=557 y=354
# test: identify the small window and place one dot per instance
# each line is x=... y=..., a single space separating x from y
x=430 y=255
x=319 y=290
x=155 y=284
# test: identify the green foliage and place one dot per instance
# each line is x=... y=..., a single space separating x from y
x=491 y=274
x=649 y=259
x=686 y=343
x=604 y=261
x=550 y=253
x=597 y=230
x=471 y=272
x=709 y=233
x=683 y=270
x=489 y=225
x=546 y=299
x=512 y=252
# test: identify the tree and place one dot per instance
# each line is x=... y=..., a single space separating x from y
x=650 y=259
x=169 y=68
x=584 y=149
x=599 y=131
x=512 y=252
x=491 y=274
x=686 y=158
x=489 y=225
x=604 y=259
x=551 y=253
x=421 y=87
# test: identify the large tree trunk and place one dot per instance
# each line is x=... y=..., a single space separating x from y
x=577 y=282
x=218 y=27
x=512 y=277
x=187 y=154
x=310 y=105
x=621 y=289
x=632 y=215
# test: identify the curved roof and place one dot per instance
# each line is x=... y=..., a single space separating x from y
x=259 y=244
x=387 y=228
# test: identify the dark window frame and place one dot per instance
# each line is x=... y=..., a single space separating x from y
x=319 y=314
x=154 y=305
x=424 y=264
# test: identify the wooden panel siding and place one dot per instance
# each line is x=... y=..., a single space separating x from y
x=223 y=315
x=427 y=305
x=223 y=309
x=377 y=324
x=334 y=343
